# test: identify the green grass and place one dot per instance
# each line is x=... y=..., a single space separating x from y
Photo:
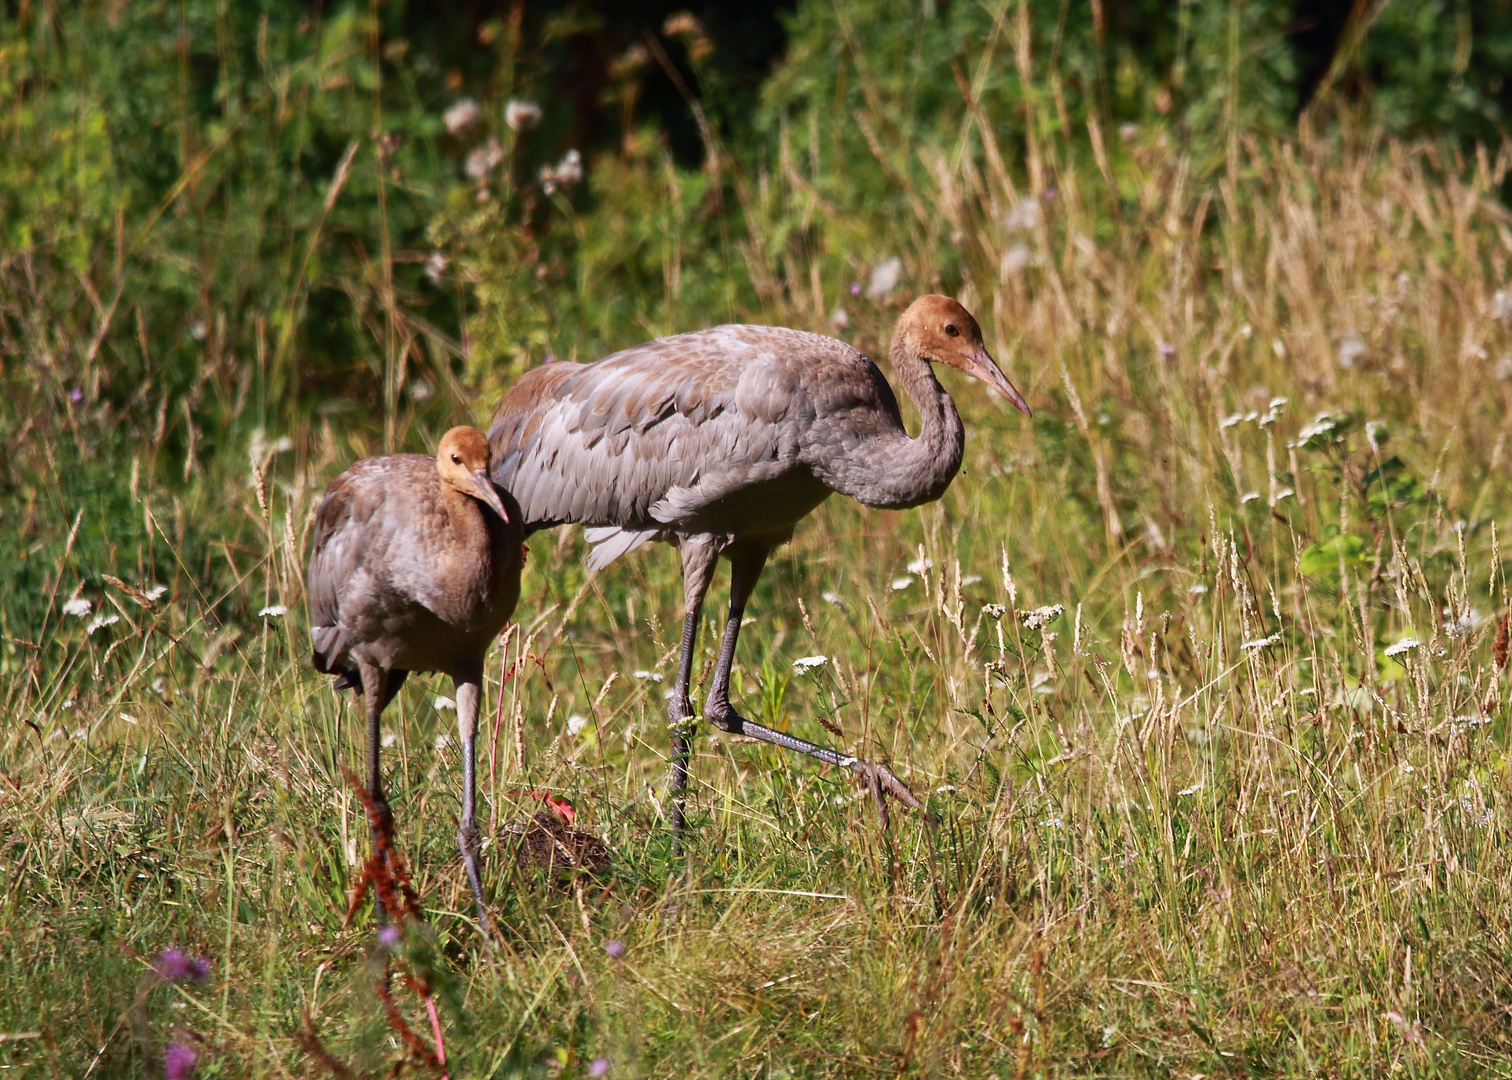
x=1208 y=820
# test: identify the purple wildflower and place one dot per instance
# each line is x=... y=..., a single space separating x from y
x=76 y=395
x=598 y=1067
x=176 y=965
x=390 y=935
x=1167 y=350
x=615 y=949
x=178 y=1061
x=855 y=288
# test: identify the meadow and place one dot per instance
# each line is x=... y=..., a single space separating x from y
x=1202 y=674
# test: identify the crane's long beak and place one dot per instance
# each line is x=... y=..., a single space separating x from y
x=486 y=494
x=983 y=367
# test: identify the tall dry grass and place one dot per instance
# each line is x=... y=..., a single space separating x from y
x=1207 y=691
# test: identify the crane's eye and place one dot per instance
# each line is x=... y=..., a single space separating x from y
x=951 y=330
x=456 y=460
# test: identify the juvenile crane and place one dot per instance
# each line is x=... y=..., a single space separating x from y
x=720 y=442
x=416 y=567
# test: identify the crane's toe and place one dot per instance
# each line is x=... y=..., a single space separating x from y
x=881 y=782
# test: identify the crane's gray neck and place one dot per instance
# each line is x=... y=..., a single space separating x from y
x=906 y=472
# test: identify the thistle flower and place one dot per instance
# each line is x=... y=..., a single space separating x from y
x=175 y=965
x=615 y=949
x=179 y=1060
x=598 y=1067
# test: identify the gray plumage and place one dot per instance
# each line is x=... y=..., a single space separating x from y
x=721 y=441
x=415 y=567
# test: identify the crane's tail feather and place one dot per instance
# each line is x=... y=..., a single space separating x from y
x=610 y=542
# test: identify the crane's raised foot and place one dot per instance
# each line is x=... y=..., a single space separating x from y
x=881 y=782
x=878 y=779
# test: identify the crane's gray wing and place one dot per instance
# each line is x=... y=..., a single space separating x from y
x=642 y=439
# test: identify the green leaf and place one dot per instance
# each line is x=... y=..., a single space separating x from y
x=1390 y=485
x=1325 y=557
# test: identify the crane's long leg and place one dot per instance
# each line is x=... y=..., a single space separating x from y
x=469 y=684
x=381 y=818
x=746 y=564
x=698 y=557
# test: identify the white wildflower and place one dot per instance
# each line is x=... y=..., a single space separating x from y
x=273 y=611
x=462 y=115
x=100 y=621
x=1284 y=494
x=1024 y=215
x=654 y=676
x=807 y=663
x=918 y=566
x=1053 y=823
x=1041 y=617
x=994 y=611
x=1230 y=421
x=389 y=739
x=522 y=115
x=1351 y=348
x=1405 y=645
x=834 y=598
x=564 y=173
x=443 y=740
x=901 y=583
x=444 y=702
x=1248 y=497
x=1260 y=643
x=1194 y=789
x=1014 y=260
x=884 y=278
x=839 y=318
x=1197 y=590
x=1501 y=304
x=575 y=724
x=78 y=607
x=1128 y=132
x=155 y=593
x=971 y=579
x=483 y=159
x=435 y=266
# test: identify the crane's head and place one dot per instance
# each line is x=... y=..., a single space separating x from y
x=937 y=329
x=462 y=461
